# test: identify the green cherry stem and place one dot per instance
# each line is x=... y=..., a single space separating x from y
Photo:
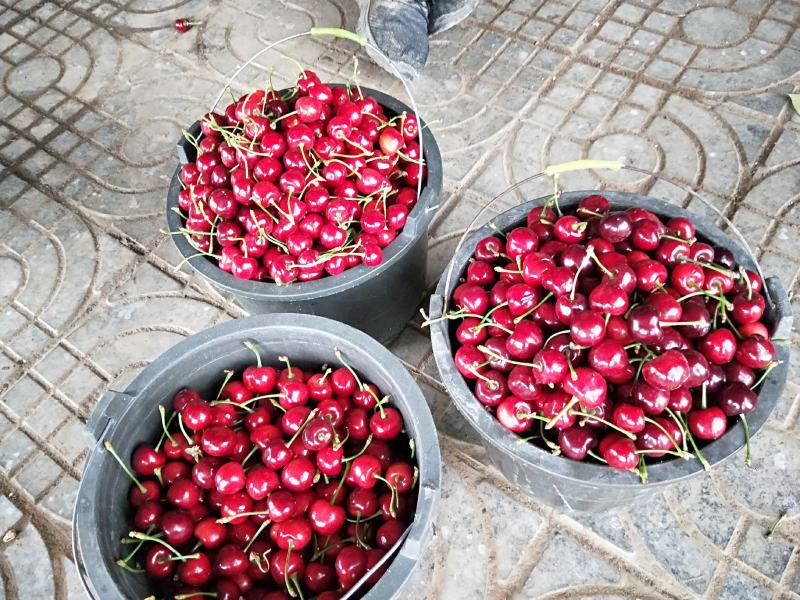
x=747 y=455
x=125 y=468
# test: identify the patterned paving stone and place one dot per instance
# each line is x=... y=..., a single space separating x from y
x=92 y=100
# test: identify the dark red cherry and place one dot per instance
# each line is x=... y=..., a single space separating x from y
x=737 y=399
x=576 y=441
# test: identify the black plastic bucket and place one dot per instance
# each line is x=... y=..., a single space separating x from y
x=377 y=300
x=571 y=485
x=129 y=418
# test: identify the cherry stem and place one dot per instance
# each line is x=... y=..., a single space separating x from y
x=394 y=497
x=307 y=420
x=572 y=374
x=250 y=346
x=589 y=254
x=599 y=264
x=379 y=403
x=495 y=356
x=297 y=586
x=125 y=468
x=774 y=526
x=554 y=448
x=485 y=319
x=236 y=404
x=250 y=401
x=711 y=266
x=747 y=455
x=697 y=452
x=285 y=359
x=586 y=415
x=596 y=456
x=257 y=559
x=358 y=518
x=289 y=589
x=532 y=310
x=261 y=528
x=163 y=413
x=680 y=424
x=195 y=594
x=341 y=483
x=675 y=443
x=553 y=201
x=641 y=470
x=685 y=455
x=748 y=283
x=139 y=544
x=677 y=238
x=250 y=454
x=165 y=426
x=338 y=354
x=184 y=557
x=564 y=410
x=189 y=440
x=191 y=139
x=229 y=518
x=128 y=568
x=496 y=229
x=320 y=553
x=138 y=535
x=555 y=335
x=766 y=372
x=360 y=452
x=325 y=375
x=228 y=375
x=451 y=316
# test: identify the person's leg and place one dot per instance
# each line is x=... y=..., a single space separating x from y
x=400 y=29
x=444 y=14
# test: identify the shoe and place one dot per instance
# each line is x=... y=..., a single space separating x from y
x=399 y=28
x=444 y=14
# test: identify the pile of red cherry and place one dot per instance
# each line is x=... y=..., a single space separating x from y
x=291 y=483
x=610 y=336
x=297 y=184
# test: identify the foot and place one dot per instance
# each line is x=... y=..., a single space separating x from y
x=399 y=28
x=444 y=14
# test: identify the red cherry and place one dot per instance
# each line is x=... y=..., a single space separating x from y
x=619 y=452
x=719 y=346
x=325 y=518
x=708 y=423
x=755 y=352
x=668 y=372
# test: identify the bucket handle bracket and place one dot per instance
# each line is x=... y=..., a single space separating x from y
x=111 y=406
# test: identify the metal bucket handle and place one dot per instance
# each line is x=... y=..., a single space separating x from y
x=584 y=165
x=345 y=35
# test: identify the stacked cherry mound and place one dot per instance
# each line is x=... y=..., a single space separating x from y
x=610 y=336
x=298 y=184
x=291 y=483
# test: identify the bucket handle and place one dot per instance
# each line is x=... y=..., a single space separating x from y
x=78 y=559
x=345 y=35
x=583 y=165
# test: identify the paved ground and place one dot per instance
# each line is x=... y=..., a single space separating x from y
x=93 y=95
